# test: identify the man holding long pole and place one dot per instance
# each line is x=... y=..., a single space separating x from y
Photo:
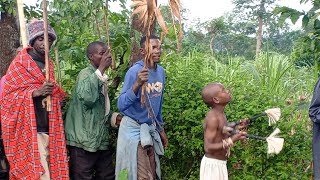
x=33 y=137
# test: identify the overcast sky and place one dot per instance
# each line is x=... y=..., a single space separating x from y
x=207 y=9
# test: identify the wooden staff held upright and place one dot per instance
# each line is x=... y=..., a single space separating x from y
x=46 y=47
x=22 y=24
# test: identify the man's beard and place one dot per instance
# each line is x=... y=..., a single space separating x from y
x=40 y=51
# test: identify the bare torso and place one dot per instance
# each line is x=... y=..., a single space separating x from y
x=215 y=136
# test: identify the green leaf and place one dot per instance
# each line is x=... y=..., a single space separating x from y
x=305 y=21
x=287 y=12
x=294 y=17
x=312 y=46
x=283 y=18
x=277 y=10
x=316 y=24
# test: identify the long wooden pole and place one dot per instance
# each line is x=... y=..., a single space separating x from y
x=22 y=23
x=56 y=52
x=46 y=47
x=106 y=24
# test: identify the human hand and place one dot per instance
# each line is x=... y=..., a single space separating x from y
x=106 y=61
x=243 y=123
x=239 y=136
x=227 y=130
x=45 y=90
x=118 y=120
x=143 y=76
x=164 y=138
x=232 y=124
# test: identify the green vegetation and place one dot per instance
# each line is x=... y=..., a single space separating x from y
x=281 y=74
x=270 y=81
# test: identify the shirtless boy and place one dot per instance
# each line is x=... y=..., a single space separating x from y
x=217 y=144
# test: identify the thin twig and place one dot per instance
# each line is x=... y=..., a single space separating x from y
x=98 y=28
x=56 y=51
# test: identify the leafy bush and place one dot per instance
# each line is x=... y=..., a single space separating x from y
x=184 y=112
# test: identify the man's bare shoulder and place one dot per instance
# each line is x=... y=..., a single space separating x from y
x=211 y=120
x=215 y=117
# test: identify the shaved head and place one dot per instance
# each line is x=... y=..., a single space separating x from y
x=92 y=47
x=210 y=91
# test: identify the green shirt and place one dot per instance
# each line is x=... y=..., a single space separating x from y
x=87 y=125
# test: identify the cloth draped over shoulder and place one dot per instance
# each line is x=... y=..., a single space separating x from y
x=19 y=122
x=314 y=114
x=129 y=135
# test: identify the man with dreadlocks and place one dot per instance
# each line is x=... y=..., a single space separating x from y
x=33 y=137
x=141 y=135
x=217 y=143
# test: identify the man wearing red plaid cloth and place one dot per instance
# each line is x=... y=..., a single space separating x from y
x=33 y=138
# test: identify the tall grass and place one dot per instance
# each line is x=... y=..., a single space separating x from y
x=278 y=75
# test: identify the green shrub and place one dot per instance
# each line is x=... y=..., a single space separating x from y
x=184 y=112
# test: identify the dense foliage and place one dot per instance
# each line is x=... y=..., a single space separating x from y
x=256 y=86
x=220 y=50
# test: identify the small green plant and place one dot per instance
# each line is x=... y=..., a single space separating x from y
x=123 y=175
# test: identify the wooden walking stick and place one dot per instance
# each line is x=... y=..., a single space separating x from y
x=22 y=23
x=46 y=47
x=106 y=25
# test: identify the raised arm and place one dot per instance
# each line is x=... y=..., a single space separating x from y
x=132 y=84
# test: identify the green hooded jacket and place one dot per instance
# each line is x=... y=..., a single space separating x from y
x=87 y=124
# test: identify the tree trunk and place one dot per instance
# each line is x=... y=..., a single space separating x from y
x=9 y=43
x=135 y=52
x=212 y=44
x=261 y=13
x=259 y=36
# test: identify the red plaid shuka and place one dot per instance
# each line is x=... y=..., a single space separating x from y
x=19 y=126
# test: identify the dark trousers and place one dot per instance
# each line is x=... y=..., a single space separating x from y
x=85 y=165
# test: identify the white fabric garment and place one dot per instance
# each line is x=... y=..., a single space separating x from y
x=213 y=169
x=43 y=146
x=104 y=79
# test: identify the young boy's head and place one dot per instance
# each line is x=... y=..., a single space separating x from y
x=155 y=47
x=215 y=94
x=95 y=51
